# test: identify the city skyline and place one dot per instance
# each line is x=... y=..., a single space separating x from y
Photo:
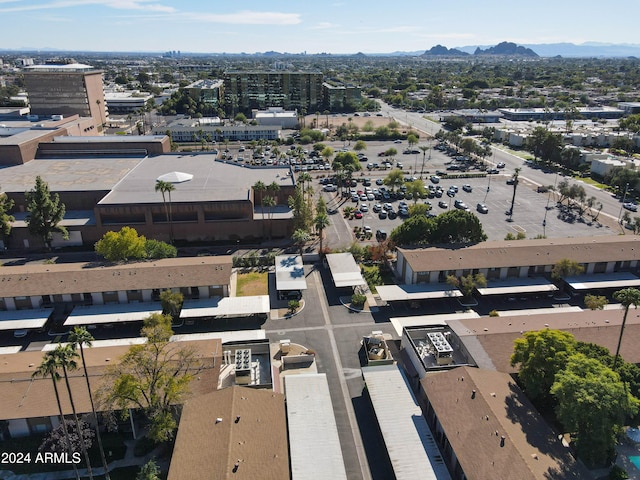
x=340 y=27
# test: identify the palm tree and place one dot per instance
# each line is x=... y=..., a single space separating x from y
x=321 y=222
x=269 y=202
x=515 y=186
x=627 y=297
x=260 y=187
x=79 y=337
x=166 y=188
x=424 y=149
x=66 y=356
x=49 y=367
x=304 y=178
x=300 y=237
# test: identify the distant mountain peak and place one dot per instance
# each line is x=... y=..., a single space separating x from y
x=506 y=48
x=442 y=51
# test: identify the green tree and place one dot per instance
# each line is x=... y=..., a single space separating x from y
x=66 y=359
x=157 y=249
x=171 y=303
x=467 y=283
x=595 y=302
x=6 y=204
x=627 y=297
x=165 y=188
x=566 y=268
x=360 y=145
x=240 y=117
x=346 y=161
x=153 y=377
x=592 y=402
x=327 y=153
x=78 y=338
x=121 y=246
x=540 y=355
x=415 y=230
x=458 y=226
x=416 y=189
x=321 y=222
x=49 y=368
x=394 y=179
x=45 y=213
x=300 y=237
x=149 y=471
x=260 y=188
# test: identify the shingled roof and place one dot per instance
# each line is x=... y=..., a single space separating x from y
x=70 y=278
x=22 y=396
x=477 y=408
x=238 y=432
x=498 y=254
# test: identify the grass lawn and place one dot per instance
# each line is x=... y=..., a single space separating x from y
x=252 y=283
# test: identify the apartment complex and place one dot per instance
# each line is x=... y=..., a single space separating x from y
x=66 y=90
x=248 y=90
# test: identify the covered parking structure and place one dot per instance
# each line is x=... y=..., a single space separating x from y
x=111 y=313
x=290 y=278
x=24 y=319
x=226 y=307
x=345 y=271
x=416 y=292
x=518 y=286
x=602 y=281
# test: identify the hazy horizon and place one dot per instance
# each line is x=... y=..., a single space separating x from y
x=341 y=27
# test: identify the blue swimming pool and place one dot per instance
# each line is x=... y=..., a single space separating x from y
x=636 y=461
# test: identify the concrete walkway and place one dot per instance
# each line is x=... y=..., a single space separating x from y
x=129 y=460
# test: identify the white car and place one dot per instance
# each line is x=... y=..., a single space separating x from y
x=630 y=206
x=364 y=208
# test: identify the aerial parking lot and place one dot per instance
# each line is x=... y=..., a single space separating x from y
x=488 y=196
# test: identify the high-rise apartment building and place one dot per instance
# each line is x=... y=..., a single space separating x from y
x=248 y=90
x=66 y=90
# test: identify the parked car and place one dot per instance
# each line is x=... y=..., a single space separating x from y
x=511 y=181
x=434 y=179
x=630 y=206
x=501 y=165
x=482 y=208
x=381 y=235
x=382 y=215
x=443 y=204
x=467 y=188
x=357 y=214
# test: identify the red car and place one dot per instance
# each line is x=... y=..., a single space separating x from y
x=357 y=214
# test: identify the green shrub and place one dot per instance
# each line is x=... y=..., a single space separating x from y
x=358 y=299
x=293 y=305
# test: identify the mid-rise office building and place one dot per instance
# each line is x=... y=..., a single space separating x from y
x=248 y=90
x=73 y=89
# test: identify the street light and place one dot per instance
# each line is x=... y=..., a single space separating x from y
x=624 y=197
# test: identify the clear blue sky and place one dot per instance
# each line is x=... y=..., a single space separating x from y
x=295 y=26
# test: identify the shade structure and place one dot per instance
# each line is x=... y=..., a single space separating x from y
x=175 y=177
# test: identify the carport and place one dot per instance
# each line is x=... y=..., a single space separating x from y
x=416 y=292
x=600 y=281
x=24 y=319
x=226 y=307
x=111 y=313
x=344 y=270
x=518 y=286
x=289 y=275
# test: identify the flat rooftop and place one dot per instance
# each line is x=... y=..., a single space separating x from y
x=84 y=174
x=212 y=181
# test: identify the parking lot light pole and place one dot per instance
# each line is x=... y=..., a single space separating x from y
x=624 y=197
